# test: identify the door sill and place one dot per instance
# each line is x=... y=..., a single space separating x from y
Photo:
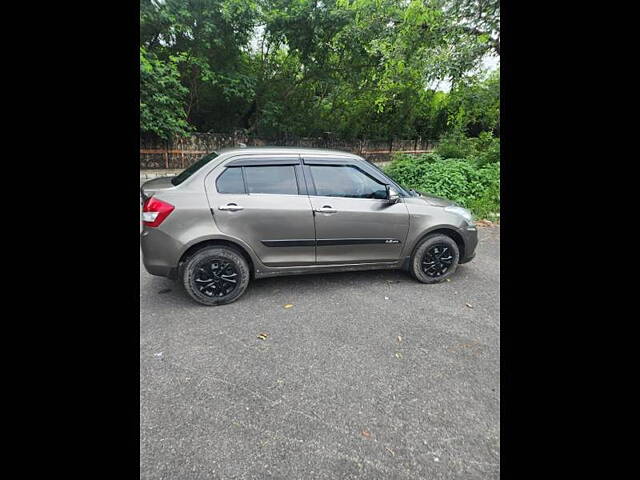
x=325 y=268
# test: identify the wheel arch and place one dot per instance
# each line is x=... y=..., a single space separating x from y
x=200 y=244
x=444 y=230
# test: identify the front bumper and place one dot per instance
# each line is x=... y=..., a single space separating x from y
x=470 y=238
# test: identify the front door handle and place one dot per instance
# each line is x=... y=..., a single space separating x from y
x=326 y=209
x=231 y=207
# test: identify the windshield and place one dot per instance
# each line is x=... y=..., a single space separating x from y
x=186 y=173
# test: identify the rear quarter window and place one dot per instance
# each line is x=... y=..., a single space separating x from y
x=231 y=181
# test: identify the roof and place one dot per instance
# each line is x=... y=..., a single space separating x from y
x=284 y=150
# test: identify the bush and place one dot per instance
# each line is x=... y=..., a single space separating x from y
x=462 y=180
x=456 y=145
x=487 y=149
x=483 y=149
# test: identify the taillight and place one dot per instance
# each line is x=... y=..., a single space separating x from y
x=154 y=212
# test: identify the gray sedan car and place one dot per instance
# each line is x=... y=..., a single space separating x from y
x=258 y=212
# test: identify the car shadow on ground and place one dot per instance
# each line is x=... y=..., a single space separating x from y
x=330 y=284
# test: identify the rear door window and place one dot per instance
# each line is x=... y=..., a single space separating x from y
x=274 y=179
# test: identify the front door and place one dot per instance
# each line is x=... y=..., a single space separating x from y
x=263 y=202
x=354 y=221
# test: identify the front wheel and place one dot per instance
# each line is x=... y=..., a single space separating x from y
x=216 y=276
x=435 y=259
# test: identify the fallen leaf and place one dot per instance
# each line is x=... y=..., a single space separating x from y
x=398 y=355
x=399 y=338
x=263 y=336
x=288 y=305
x=365 y=433
x=390 y=451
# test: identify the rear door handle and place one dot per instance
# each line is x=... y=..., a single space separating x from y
x=326 y=209
x=231 y=207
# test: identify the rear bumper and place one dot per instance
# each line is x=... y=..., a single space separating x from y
x=162 y=271
x=160 y=252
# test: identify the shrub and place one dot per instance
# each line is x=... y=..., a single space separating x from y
x=456 y=145
x=488 y=149
x=462 y=180
x=484 y=149
x=411 y=168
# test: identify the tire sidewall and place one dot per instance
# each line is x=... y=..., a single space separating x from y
x=423 y=246
x=213 y=253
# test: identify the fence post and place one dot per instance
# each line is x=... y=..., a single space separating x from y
x=166 y=157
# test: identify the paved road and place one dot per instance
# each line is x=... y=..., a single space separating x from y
x=370 y=375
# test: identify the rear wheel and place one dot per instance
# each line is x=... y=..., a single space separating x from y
x=435 y=259
x=216 y=275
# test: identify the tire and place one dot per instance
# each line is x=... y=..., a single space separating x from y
x=429 y=246
x=217 y=267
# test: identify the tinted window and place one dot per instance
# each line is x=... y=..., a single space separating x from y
x=401 y=190
x=345 y=181
x=279 y=179
x=193 y=168
x=231 y=181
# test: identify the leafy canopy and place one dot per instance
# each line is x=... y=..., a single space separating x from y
x=355 y=68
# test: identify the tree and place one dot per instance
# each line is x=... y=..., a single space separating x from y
x=474 y=105
x=357 y=68
x=161 y=97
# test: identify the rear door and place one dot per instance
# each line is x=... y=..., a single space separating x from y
x=263 y=202
x=354 y=221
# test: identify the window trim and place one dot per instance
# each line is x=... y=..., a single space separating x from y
x=264 y=161
x=367 y=167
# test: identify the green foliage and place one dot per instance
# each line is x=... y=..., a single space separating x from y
x=357 y=68
x=487 y=148
x=461 y=180
x=161 y=96
x=456 y=145
x=210 y=38
x=487 y=204
x=483 y=150
x=474 y=105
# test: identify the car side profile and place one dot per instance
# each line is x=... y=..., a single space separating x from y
x=249 y=213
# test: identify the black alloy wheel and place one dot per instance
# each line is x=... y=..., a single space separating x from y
x=437 y=260
x=215 y=277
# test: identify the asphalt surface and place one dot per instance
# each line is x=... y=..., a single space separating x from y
x=369 y=375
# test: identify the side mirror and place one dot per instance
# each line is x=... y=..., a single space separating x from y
x=392 y=195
